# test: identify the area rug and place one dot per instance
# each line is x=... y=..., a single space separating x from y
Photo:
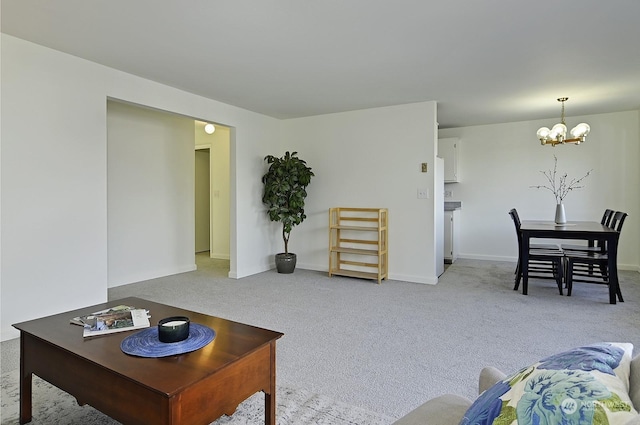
x=294 y=407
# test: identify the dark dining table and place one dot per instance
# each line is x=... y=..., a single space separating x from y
x=579 y=230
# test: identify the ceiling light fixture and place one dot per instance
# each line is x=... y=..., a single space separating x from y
x=558 y=133
x=209 y=128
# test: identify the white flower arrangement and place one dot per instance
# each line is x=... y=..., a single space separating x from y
x=560 y=188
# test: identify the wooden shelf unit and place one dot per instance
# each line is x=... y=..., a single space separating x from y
x=358 y=243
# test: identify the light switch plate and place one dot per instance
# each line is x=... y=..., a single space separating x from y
x=424 y=167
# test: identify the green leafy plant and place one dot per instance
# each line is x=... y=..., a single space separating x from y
x=285 y=191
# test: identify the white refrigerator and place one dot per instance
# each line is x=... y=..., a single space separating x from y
x=438 y=198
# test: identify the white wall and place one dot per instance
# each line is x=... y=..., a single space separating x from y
x=202 y=201
x=150 y=194
x=54 y=177
x=369 y=158
x=220 y=189
x=500 y=162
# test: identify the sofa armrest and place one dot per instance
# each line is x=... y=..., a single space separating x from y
x=444 y=410
x=634 y=382
x=488 y=377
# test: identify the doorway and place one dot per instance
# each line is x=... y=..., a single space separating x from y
x=150 y=193
x=213 y=191
x=202 y=201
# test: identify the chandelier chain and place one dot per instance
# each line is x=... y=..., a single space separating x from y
x=562 y=100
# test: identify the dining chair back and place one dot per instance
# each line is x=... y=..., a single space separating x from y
x=545 y=261
x=617 y=220
x=606 y=217
x=516 y=219
x=593 y=245
x=592 y=266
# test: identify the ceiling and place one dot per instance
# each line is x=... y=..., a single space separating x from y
x=483 y=62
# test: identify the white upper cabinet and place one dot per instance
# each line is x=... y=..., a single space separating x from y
x=449 y=150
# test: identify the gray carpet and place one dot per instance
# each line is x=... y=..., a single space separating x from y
x=387 y=348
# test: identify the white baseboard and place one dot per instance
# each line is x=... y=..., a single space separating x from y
x=9 y=333
x=413 y=279
x=401 y=277
x=488 y=257
x=628 y=267
x=152 y=274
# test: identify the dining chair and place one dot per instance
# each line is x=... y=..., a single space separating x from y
x=544 y=246
x=545 y=260
x=591 y=266
x=592 y=245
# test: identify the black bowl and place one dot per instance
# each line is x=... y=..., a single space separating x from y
x=173 y=329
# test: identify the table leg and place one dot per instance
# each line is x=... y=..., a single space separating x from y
x=25 y=383
x=612 y=264
x=524 y=266
x=270 y=396
x=269 y=409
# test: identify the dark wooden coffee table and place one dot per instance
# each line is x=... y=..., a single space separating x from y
x=189 y=389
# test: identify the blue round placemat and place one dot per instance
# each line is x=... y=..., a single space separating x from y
x=146 y=343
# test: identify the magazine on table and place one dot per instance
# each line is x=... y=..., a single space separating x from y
x=115 y=319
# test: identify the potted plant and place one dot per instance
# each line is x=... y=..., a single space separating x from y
x=284 y=193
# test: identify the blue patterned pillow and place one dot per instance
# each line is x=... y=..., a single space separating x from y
x=586 y=385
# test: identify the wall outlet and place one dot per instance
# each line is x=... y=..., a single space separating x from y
x=423 y=193
x=448 y=194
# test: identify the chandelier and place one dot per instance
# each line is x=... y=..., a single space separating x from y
x=558 y=133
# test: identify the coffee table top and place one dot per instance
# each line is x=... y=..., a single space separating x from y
x=168 y=375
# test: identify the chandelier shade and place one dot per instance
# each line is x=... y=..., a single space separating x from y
x=558 y=133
